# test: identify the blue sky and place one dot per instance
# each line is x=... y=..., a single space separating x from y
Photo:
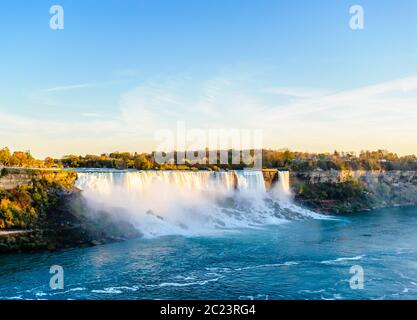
x=120 y=70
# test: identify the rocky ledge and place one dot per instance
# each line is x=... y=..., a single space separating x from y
x=352 y=191
x=42 y=210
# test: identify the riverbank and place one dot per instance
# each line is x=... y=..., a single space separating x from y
x=354 y=191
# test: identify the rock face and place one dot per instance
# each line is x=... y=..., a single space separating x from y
x=42 y=210
x=270 y=177
x=11 y=178
x=350 y=191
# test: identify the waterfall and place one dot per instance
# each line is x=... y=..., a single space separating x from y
x=187 y=202
x=250 y=181
x=141 y=181
x=282 y=188
x=137 y=182
x=284 y=180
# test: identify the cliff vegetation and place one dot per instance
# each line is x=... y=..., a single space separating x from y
x=41 y=210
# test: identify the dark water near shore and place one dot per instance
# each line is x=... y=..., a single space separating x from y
x=308 y=259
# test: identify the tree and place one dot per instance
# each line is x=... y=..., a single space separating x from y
x=21 y=159
x=71 y=161
x=5 y=156
x=142 y=162
x=49 y=162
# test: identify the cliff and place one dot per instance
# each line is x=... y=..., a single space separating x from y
x=351 y=191
x=270 y=177
x=12 y=178
x=27 y=194
x=41 y=209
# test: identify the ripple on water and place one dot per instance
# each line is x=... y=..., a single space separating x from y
x=335 y=261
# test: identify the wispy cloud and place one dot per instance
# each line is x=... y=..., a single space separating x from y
x=307 y=93
x=376 y=116
x=78 y=86
x=90 y=114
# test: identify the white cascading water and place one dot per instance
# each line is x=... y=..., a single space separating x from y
x=282 y=187
x=189 y=202
x=250 y=181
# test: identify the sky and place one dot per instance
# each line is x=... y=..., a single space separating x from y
x=122 y=70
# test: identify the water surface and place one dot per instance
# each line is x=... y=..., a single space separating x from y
x=308 y=259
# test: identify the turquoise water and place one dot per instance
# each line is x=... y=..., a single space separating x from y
x=307 y=259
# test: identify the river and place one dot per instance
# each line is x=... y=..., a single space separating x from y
x=308 y=259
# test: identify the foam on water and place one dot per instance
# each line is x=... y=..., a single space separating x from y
x=309 y=260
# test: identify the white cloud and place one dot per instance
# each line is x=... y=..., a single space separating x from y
x=78 y=86
x=307 y=93
x=378 y=116
x=90 y=114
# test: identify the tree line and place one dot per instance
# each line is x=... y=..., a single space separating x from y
x=24 y=159
x=283 y=159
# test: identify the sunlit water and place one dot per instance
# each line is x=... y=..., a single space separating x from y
x=304 y=259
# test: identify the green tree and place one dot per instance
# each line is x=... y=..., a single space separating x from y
x=49 y=162
x=142 y=162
